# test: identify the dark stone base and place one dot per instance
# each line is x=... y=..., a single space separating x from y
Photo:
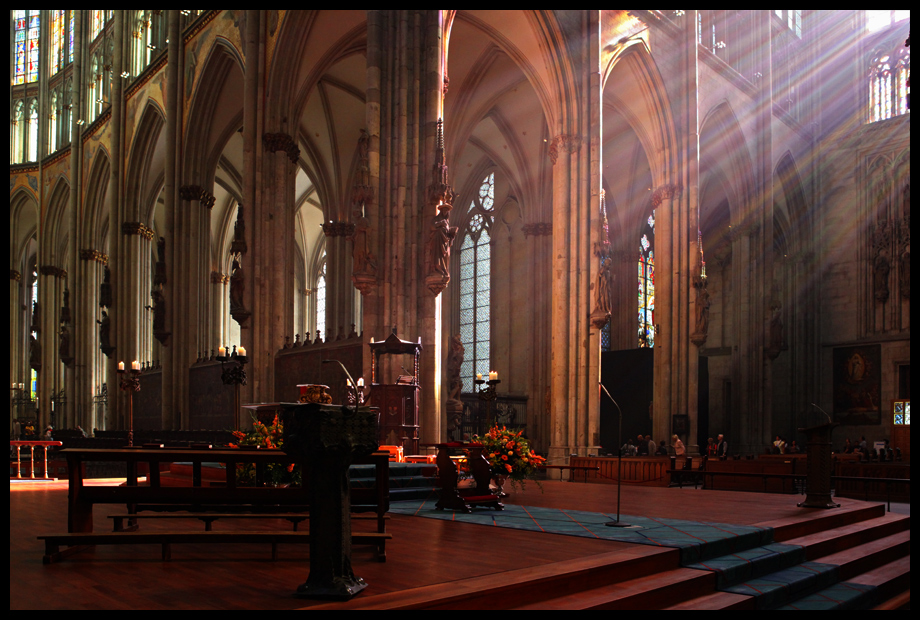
x=340 y=588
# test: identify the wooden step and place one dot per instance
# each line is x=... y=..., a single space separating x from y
x=842 y=538
x=517 y=588
x=795 y=527
x=646 y=592
x=716 y=601
x=869 y=556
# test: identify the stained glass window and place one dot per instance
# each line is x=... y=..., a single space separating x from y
x=17 y=137
x=57 y=41
x=901 y=411
x=321 y=300
x=475 y=285
x=26 y=25
x=98 y=23
x=889 y=71
x=646 y=284
x=32 y=132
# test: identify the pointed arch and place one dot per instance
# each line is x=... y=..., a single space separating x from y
x=215 y=113
x=95 y=211
x=55 y=234
x=142 y=166
x=723 y=149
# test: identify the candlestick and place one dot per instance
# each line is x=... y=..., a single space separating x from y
x=241 y=350
x=121 y=366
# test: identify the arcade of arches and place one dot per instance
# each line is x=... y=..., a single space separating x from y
x=186 y=180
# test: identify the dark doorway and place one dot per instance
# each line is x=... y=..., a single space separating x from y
x=628 y=376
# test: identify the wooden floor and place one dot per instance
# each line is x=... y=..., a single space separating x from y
x=422 y=552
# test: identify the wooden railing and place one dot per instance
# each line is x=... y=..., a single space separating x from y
x=31 y=445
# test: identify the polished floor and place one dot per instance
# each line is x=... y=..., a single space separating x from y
x=423 y=552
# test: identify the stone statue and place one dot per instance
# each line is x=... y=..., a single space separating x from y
x=105 y=289
x=35 y=353
x=365 y=263
x=440 y=237
x=777 y=342
x=455 y=357
x=105 y=327
x=66 y=317
x=703 y=303
x=36 y=318
x=237 y=288
x=159 y=271
x=159 y=315
x=64 y=345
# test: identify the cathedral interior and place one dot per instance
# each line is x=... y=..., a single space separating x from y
x=705 y=211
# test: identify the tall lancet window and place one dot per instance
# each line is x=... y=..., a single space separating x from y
x=26 y=26
x=647 y=284
x=321 y=299
x=475 y=284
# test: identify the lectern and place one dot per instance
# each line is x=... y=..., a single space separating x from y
x=818 y=470
x=327 y=438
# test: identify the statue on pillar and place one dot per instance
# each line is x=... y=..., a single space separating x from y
x=603 y=285
x=703 y=303
x=105 y=329
x=440 y=234
x=237 y=288
x=105 y=289
x=159 y=315
x=455 y=357
x=159 y=272
x=64 y=346
x=35 y=353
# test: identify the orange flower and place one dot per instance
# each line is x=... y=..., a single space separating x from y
x=508 y=467
x=504 y=457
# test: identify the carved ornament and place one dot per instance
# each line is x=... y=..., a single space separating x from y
x=275 y=142
x=137 y=228
x=569 y=143
x=94 y=255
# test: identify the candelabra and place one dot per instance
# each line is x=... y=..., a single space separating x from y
x=130 y=382
x=233 y=373
x=487 y=395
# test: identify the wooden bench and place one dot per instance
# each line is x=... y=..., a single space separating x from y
x=78 y=541
x=227 y=500
x=208 y=518
x=464 y=499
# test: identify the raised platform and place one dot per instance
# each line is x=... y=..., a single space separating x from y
x=443 y=563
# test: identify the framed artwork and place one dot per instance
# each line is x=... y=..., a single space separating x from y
x=858 y=384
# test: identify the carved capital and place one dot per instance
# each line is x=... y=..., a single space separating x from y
x=196 y=192
x=666 y=192
x=51 y=270
x=275 y=142
x=219 y=278
x=137 y=228
x=569 y=143
x=338 y=229
x=94 y=255
x=15 y=275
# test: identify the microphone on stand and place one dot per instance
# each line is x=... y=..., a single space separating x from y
x=617 y=523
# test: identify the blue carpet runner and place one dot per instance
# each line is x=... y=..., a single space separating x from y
x=744 y=558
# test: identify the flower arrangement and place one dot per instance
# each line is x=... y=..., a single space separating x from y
x=265 y=438
x=510 y=455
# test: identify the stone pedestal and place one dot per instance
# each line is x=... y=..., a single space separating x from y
x=326 y=439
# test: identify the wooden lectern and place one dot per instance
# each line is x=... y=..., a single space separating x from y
x=397 y=402
x=328 y=438
x=818 y=470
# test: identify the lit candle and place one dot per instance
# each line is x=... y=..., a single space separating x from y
x=241 y=350
x=121 y=366
x=348 y=382
x=372 y=340
x=222 y=351
x=135 y=365
x=361 y=382
x=479 y=376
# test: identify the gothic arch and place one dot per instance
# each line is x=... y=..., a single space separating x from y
x=95 y=209
x=23 y=225
x=642 y=99
x=146 y=160
x=723 y=149
x=55 y=235
x=797 y=212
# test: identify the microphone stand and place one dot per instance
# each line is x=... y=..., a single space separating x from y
x=617 y=523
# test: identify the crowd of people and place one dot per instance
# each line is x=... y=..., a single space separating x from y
x=646 y=446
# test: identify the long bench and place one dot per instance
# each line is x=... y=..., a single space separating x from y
x=76 y=541
x=197 y=499
x=208 y=518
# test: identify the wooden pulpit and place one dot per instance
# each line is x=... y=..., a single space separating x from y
x=327 y=439
x=397 y=402
x=818 y=469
